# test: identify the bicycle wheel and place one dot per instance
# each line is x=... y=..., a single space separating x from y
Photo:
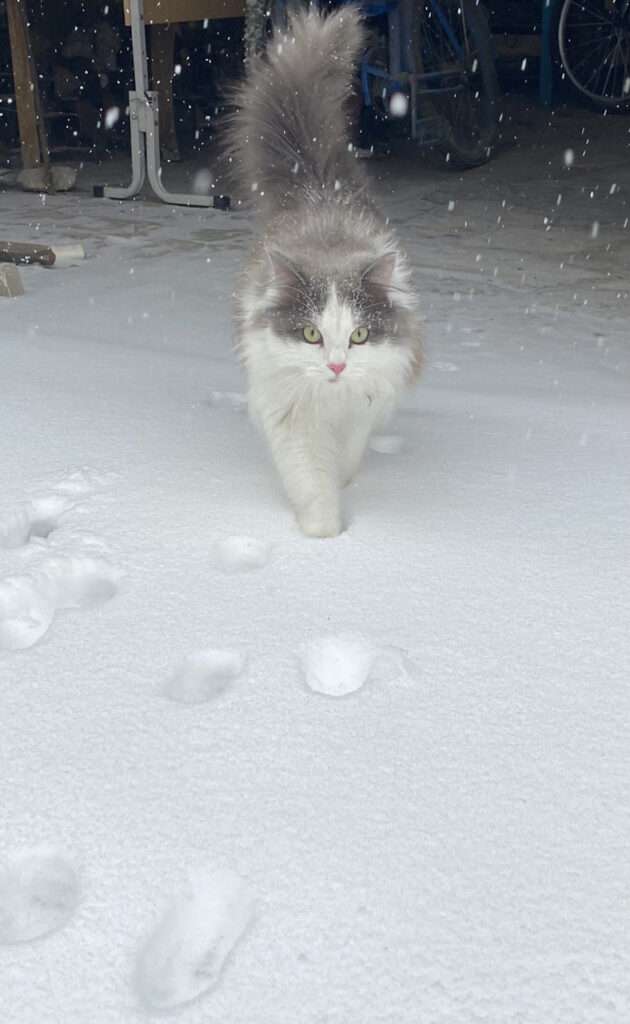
x=594 y=43
x=455 y=43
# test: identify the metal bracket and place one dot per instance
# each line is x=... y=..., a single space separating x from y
x=145 y=133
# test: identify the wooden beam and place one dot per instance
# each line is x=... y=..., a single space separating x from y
x=30 y=121
x=162 y=59
x=157 y=12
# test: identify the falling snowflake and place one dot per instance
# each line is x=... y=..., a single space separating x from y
x=202 y=182
x=398 y=104
x=111 y=116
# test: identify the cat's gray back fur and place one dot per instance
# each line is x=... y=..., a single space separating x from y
x=289 y=142
x=289 y=137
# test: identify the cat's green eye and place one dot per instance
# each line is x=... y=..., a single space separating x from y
x=312 y=335
x=359 y=336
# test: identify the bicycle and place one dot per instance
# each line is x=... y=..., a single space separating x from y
x=438 y=57
x=594 y=44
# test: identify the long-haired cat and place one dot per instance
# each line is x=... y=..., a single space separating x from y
x=327 y=328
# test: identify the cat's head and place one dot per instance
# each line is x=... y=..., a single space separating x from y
x=340 y=324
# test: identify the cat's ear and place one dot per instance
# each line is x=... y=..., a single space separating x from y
x=381 y=271
x=282 y=271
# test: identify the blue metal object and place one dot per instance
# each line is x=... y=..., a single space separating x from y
x=398 y=64
x=549 y=9
x=426 y=54
x=446 y=28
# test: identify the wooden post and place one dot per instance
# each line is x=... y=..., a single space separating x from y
x=31 y=124
x=162 y=41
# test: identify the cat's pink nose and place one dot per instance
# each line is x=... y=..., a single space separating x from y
x=337 y=368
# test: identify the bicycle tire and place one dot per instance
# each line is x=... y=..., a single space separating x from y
x=577 y=33
x=467 y=144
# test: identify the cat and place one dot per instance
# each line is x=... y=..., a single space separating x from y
x=327 y=323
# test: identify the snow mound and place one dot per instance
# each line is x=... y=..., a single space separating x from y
x=241 y=554
x=39 y=892
x=28 y=603
x=337 y=665
x=204 y=675
x=37 y=519
x=185 y=955
x=386 y=444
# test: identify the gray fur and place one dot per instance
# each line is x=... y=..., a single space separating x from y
x=290 y=135
x=300 y=296
x=290 y=139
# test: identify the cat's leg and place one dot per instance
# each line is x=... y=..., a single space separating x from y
x=307 y=461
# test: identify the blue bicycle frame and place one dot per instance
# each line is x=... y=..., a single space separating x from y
x=400 y=74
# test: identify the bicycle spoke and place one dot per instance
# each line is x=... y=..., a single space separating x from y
x=594 y=40
x=463 y=91
x=590 y=24
x=589 y=43
x=588 y=58
x=604 y=93
x=585 y=9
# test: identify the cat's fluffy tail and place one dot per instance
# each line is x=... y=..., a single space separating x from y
x=290 y=135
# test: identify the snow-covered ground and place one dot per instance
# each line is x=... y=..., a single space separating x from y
x=446 y=844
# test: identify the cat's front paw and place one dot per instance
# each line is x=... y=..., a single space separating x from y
x=317 y=520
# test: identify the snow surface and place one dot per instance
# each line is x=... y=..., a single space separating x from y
x=449 y=847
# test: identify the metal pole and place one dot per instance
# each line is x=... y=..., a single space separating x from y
x=145 y=132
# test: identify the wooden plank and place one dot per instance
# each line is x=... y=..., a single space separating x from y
x=158 y=12
x=25 y=85
x=162 y=50
x=23 y=252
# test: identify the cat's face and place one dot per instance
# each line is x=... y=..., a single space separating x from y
x=337 y=329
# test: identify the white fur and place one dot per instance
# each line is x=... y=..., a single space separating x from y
x=318 y=425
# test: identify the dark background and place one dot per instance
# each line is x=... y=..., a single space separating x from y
x=83 y=57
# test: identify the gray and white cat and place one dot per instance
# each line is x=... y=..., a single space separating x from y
x=327 y=325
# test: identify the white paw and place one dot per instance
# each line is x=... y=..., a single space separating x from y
x=318 y=520
x=185 y=954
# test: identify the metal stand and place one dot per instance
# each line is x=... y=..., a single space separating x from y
x=145 y=133
x=549 y=23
